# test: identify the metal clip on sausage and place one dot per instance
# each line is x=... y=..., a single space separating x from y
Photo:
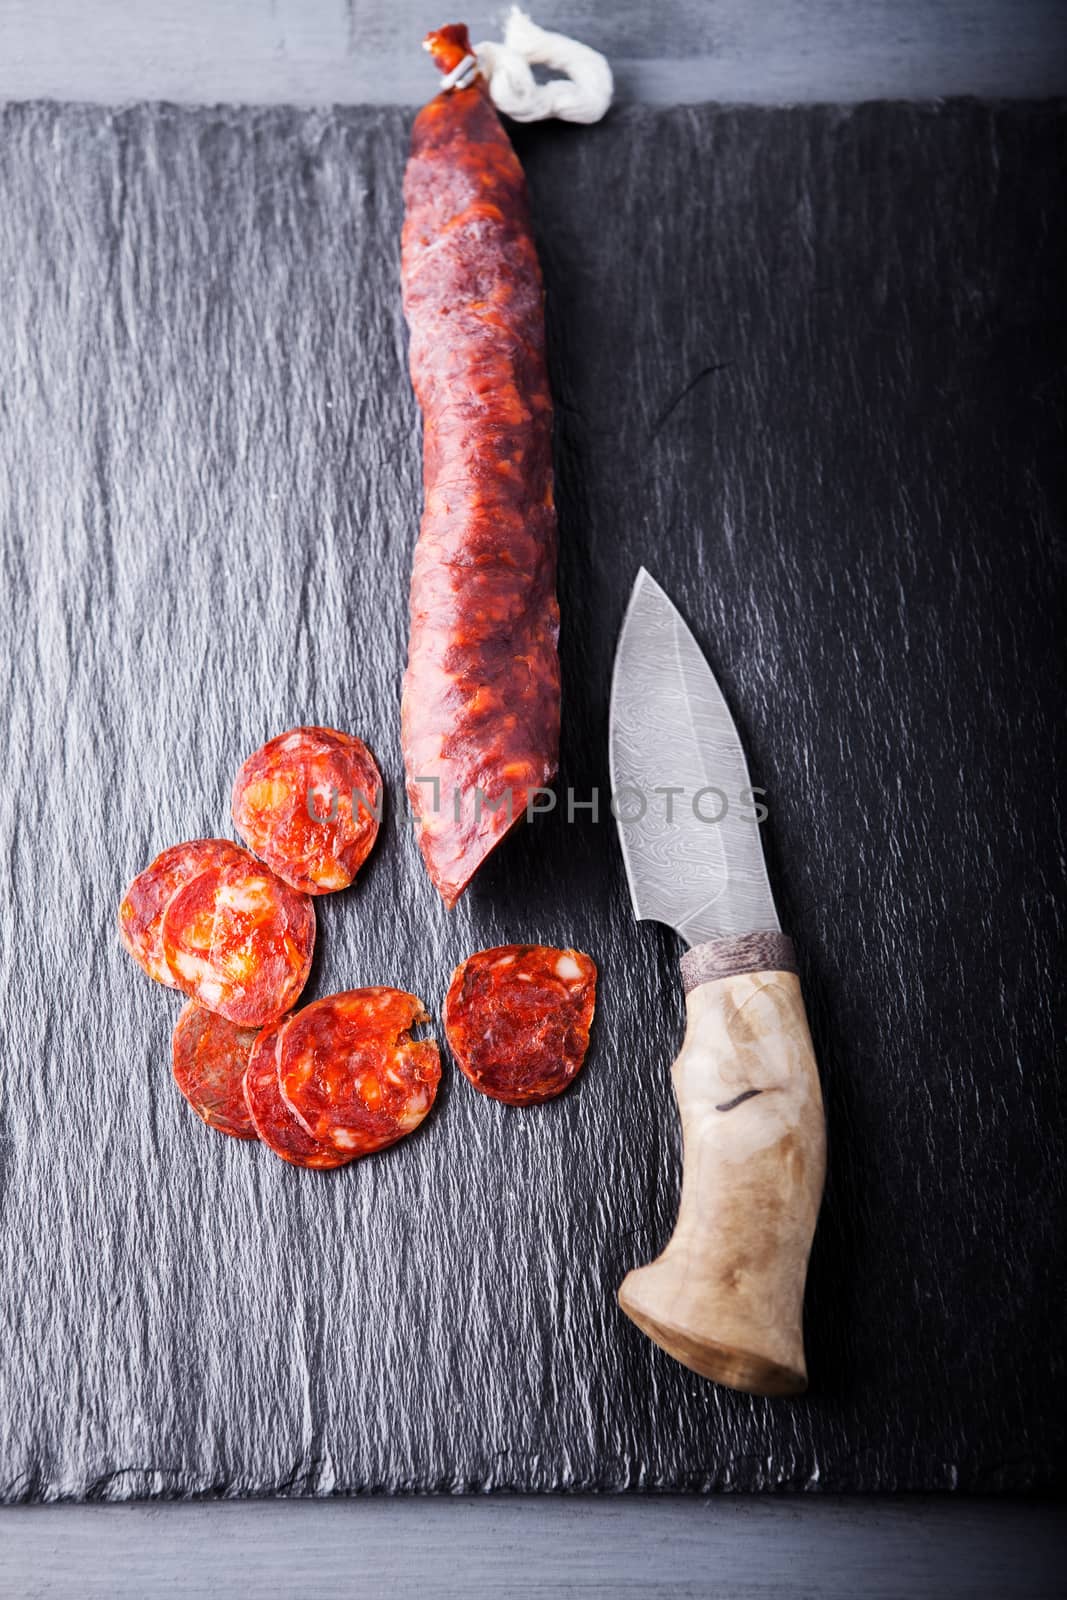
x=461 y=75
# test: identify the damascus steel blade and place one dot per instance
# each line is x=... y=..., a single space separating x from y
x=693 y=859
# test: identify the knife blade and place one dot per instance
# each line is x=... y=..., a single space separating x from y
x=692 y=850
x=725 y=1297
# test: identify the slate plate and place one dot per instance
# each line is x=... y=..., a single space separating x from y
x=808 y=367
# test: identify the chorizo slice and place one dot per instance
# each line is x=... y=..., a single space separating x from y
x=517 y=1020
x=481 y=699
x=272 y=1118
x=210 y=1059
x=309 y=804
x=240 y=941
x=351 y=1073
x=143 y=904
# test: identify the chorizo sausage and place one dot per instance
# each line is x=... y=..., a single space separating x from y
x=240 y=941
x=271 y=1117
x=481 y=697
x=351 y=1073
x=308 y=803
x=210 y=1056
x=143 y=904
x=517 y=1020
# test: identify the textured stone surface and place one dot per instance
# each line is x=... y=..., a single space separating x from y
x=808 y=367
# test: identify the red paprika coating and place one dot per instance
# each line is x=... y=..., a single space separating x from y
x=240 y=941
x=210 y=1058
x=278 y=788
x=480 y=708
x=271 y=1117
x=352 y=1075
x=143 y=905
x=517 y=1020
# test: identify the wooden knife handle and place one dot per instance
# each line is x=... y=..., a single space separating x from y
x=726 y=1296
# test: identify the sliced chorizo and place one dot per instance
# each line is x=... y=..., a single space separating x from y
x=272 y=1118
x=309 y=803
x=143 y=904
x=351 y=1073
x=240 y=941
x=210 y=1059
x=517 y=1020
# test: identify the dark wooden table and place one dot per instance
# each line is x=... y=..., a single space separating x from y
x=321 y=51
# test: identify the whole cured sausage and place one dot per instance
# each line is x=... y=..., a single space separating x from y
x=240 y=941
x=308 y=803
x=271 y=1117
x=143 y=904
x=352 y=1075
x=210 y=1058
x=481 y=699
x=517 y=1020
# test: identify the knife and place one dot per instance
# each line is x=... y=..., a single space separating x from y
x=726 y=1296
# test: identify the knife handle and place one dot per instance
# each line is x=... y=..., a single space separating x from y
x=726 y=1296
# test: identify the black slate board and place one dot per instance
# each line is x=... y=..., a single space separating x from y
x=809 y=370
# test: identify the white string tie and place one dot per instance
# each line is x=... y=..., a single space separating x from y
x=582 y=94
